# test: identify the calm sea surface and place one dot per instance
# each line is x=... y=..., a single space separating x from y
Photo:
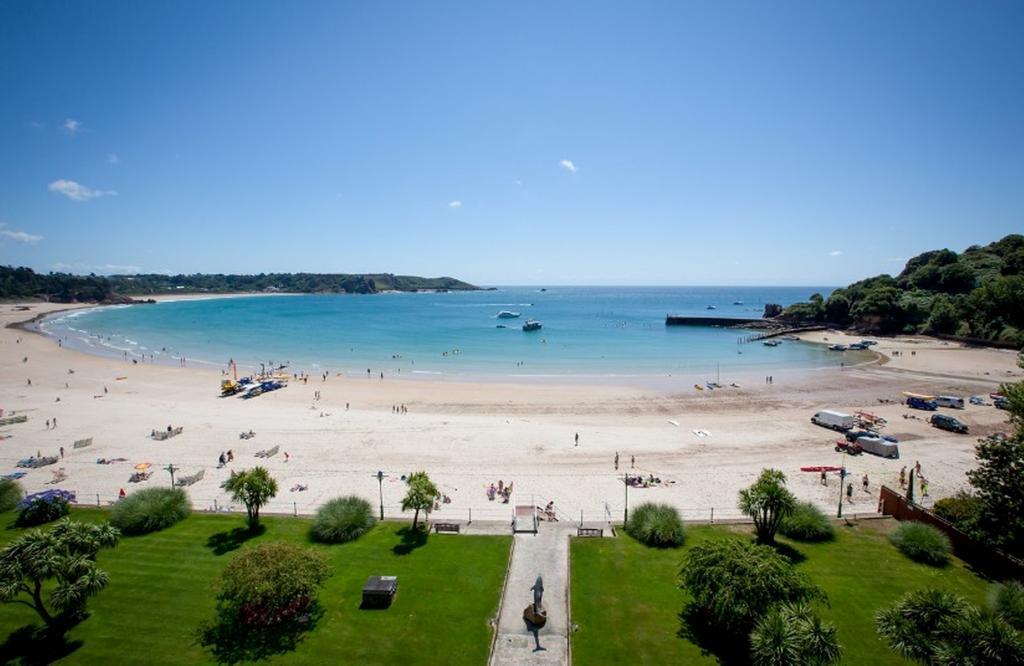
x=587 y=331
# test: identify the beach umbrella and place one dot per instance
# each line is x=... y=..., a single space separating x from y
x=143 y=466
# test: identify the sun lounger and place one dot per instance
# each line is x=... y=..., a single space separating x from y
x=82 y=443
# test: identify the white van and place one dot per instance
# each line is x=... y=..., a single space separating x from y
x=953 y=401
x=828 y=418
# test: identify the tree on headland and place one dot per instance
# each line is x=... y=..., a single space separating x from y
x=767 y=501
x=253 y=488
x=420 y=496
x=56 y=569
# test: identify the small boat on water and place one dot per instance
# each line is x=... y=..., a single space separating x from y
x=737 y=302
x=858 y=345
x=837 y=347
x=508 y=314
x=501 y=326
x=791 y=338
x=531 y=325
x=772 y=343
x=711 y=307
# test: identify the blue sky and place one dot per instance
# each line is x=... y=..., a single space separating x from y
x=509 y=143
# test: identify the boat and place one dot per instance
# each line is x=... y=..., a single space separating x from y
x=531 y=325
x=501 y=326
x=506 y=314
x=858 y=345
x=737 y=302
x=837 y=347
x=711 y=307
x=772 y=343
x=791 y=338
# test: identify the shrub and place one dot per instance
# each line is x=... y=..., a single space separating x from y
x=1009 y=603
x=10 y=494
x=807 y=523
x=961 y=510
x=44 y=507
x=922 y=543
x=343 y=519
x=269 y=584
x=733 y=582
x=656 y=525
x=150 y=510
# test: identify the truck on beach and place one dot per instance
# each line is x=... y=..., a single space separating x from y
x=828 y=418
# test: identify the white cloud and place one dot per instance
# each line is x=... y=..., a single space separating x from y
x=71 y=126
x=455 y=204
x=19 y=236
x=568 y=165
x=112 y=158
x=835 y=253
x=101 y=269
x=77 y=191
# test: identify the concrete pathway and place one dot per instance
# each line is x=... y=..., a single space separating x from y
x=546 y=554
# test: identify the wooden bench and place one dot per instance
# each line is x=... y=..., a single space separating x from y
x=589 y=532
x=450 y=528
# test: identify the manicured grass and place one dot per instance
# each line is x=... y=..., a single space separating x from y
x=161 y=590
x=626 y=599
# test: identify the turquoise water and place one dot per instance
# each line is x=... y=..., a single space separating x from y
x=587 y=331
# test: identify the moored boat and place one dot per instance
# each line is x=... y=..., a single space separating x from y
x=507 y=314
x=531 y=325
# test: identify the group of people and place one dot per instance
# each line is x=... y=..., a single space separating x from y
x=640 y=481
x=225 y=457
x=501 y=490
x=921 y=479
x=399 y=409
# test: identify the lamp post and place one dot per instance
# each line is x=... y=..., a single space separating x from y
x=380 y=488
x=625 y=511
x=172 y=469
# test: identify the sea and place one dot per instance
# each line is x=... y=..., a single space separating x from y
x=587 y=332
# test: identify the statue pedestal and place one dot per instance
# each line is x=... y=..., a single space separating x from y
x=535 y=616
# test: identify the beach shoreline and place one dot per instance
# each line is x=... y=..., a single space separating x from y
x=470 y=434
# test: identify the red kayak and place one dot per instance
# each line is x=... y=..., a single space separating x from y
x=820 y=468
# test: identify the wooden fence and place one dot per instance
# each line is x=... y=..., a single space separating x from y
x=987 y=559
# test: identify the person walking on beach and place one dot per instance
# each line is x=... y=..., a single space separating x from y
x=917 y=467
x=616 y=461
x=824 y=478
x=577 y=439
x=849 y=492
x=864 y=482
x=62 y=453
x=924 y=487
x=903 y=477
x=47 y=424
x=632 y=462
x=54 y=422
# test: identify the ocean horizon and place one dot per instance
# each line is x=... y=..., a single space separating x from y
x=586 y=331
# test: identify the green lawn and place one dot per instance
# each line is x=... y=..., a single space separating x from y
x=626 y=600
x=160 y=591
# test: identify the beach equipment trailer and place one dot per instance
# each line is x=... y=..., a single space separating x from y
x=869 y=420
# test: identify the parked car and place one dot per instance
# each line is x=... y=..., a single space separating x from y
x=954 y=401
x=1001 y=403
x=946 y=422
x=920 y=403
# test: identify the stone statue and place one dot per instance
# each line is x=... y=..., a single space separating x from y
x=535 y=613
x=538 y=593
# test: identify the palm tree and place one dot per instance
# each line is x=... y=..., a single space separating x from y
x=792 y=635
x=420 y=496
x=253 y=488
x=915 y=625
x=767 y=501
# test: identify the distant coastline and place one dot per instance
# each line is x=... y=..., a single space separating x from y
x=25 y=284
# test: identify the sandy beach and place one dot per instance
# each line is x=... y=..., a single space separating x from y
x=468 y=435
